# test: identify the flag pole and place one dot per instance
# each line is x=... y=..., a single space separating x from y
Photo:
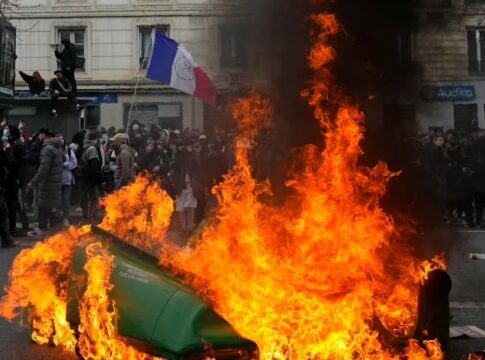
x=145 y=55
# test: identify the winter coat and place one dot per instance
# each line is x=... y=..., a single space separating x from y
x=68 y=57
x=16 y=171
x=63 y=86
x=35 y=87
x=91 y=162
x=70 y=163
x=49 y=175
x=125 y=165
x=148 y=161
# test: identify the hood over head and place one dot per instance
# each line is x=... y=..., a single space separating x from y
x=56 y=141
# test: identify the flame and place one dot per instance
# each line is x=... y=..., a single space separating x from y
x=98 y=339
x=307 y=279
x=38 y=287
x=139 y=214
x=38 y=279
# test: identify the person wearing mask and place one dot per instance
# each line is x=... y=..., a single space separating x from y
x=91 y=175
x=70 y=163
x=134 y=130
x=49 y=180
x=68 y=58
x=36 y=82
x=125 y=160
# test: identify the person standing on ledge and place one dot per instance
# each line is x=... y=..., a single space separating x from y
x=68 y=58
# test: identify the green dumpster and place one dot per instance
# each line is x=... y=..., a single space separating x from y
x=157 y=314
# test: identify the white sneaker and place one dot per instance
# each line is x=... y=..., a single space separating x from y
x=66 y=223
x=36 y=232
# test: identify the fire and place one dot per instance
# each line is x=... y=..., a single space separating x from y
x=308 y=279
x=38 y=280
x=38 y=288
x=98 y=339
x=139 y=214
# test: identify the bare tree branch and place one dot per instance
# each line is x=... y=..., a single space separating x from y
x=7 y=5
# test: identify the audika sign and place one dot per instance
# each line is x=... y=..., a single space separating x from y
x=448 y=93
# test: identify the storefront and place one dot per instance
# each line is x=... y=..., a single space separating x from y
x=451 y=106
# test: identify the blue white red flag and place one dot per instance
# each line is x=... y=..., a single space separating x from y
x=171 y=64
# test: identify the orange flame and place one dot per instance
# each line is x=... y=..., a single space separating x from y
x=38 y=279
x=305 y=280
x=139 y=214
x=98 y=339
x=38 y=286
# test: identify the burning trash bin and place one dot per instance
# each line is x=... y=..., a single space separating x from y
x=156 y=314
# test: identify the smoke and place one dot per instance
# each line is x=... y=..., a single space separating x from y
x=371 y=64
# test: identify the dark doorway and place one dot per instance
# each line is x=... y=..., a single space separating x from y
x=466 y=118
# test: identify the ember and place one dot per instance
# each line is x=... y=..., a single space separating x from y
x=304 y=280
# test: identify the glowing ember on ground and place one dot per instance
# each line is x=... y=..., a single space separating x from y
x=304 y=280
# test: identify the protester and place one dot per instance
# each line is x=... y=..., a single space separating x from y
x=68 y=58
x=68 y=181
x=61 y=87
x=125 y=160
x=36 y=82
x=149 y=159
x=16 y=180
x=91 y=175
x=49 y=180
x=5 y=238
x=184 y=181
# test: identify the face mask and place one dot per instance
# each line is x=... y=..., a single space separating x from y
x=135 y=127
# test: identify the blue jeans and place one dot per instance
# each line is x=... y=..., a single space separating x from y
x=66 y=201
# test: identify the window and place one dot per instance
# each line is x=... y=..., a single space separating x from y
x=466 y=118
x=233 y=46
x=405 y=48
x=146 y=43
x=166 y=115
x=476 y=51
x=77 y=37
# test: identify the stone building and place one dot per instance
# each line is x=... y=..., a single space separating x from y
x=448 y=50
x=112 y=38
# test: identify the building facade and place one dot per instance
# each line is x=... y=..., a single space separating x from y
x=448 y=48
x=112 y=38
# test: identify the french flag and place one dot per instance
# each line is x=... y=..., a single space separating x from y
x=171 y=64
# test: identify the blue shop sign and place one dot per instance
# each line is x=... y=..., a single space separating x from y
x=101 y=98
x=448 y=93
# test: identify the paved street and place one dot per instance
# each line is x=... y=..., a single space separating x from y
x=467 y=297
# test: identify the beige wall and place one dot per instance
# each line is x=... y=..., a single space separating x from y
x=112 y=46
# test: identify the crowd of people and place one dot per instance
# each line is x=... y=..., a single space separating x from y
x=47 y=174
x=455 y=166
